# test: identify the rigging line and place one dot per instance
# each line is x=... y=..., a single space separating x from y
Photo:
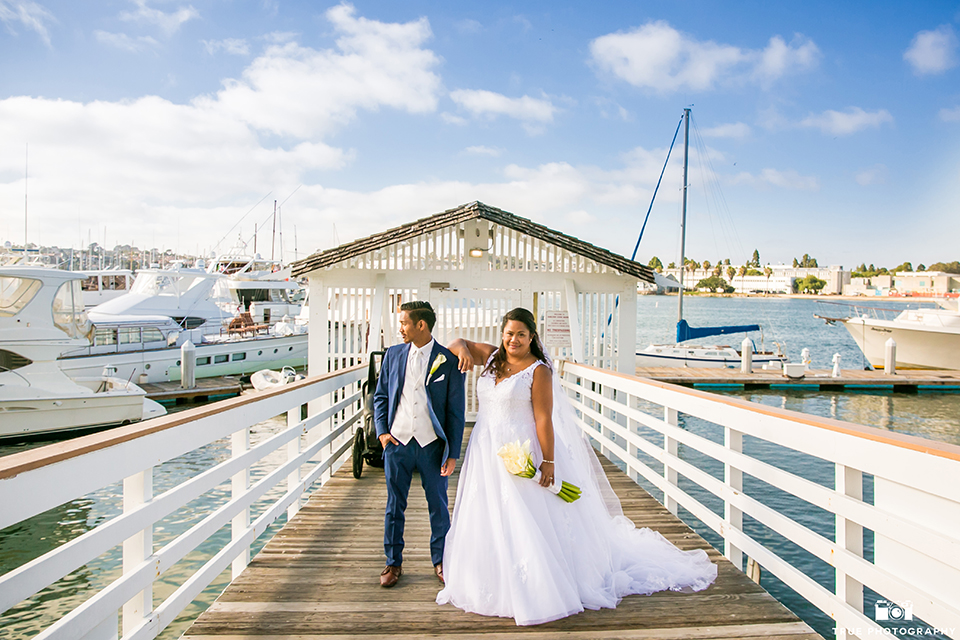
x=650 y=208
x=240 y=220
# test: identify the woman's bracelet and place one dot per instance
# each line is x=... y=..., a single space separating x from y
x=547 y=461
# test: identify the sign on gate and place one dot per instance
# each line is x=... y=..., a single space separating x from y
x=556 y=329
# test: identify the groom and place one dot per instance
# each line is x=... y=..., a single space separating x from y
x=418 y=409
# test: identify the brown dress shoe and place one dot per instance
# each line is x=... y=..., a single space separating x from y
x=389 y=576
x=439 y=569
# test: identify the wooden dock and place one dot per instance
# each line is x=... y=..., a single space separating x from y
x=204 y=389
x=908 y=381
x=319 y=578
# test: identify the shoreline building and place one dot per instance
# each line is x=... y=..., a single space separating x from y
x=781 y=278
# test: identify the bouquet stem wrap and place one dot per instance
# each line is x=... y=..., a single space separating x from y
x=517 y=460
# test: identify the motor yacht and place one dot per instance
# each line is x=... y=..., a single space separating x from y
x=238 y=323
x=926 y=338
x=41 y=316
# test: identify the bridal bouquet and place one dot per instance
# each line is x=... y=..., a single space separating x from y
x=517 y=460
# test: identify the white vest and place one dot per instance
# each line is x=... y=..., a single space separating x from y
x=413 y=413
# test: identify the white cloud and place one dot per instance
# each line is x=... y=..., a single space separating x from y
x=468 y=26
x=280 y=37
x=452 y=118
x=657 y=56
x=296 y=91
x=772 y=177
x=134 y=165
x=876 y=174
x=488 y=104
x=168 y=23
x=950 y=115
x=933 y=51
x=844 y=123
x=29 y=15
x=482 y=150
x=233 y=46
x=125 y=42
x=730 y=130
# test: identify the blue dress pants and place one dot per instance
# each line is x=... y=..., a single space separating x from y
x=399 y=462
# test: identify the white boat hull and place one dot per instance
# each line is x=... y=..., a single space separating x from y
x=918 y=347
x=239 y=357
x=671 y=355
x=97 y=402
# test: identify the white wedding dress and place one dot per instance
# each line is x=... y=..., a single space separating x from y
x=517 y=550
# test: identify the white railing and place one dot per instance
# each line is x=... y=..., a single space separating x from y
x=35 y=481
x=914 y=518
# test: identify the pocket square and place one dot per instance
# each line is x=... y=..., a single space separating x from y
x=440 y=377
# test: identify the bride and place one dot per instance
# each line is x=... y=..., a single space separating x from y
x=514 y=548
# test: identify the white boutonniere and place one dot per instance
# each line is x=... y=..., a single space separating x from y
x=440 y=359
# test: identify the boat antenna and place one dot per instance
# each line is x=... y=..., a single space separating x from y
x=273 y=238
x=633 y=256
x=240 y=220
x=26 y=173
x=683 y=214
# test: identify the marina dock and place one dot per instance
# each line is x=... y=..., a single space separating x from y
x=319 y=578
x=204 y=389
x=909 y=381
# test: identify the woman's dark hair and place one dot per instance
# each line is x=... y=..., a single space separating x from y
x=499 y=359
x=420 y=310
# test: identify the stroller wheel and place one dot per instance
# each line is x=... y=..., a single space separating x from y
x=358 y=447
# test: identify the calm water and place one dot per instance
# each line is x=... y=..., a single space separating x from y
x=788 y=322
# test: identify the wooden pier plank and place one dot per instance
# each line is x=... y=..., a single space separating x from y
x=205 y=387
x=318 y=578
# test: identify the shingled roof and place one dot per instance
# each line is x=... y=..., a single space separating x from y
x=463 y=213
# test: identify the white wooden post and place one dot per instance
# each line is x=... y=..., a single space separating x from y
x=849 y=535
x=137 y=490
x=319 y=356
x=377 y=315
x=293 y=450
x=239 y=483
x=733 y=478
x=671 y=447
x=573 y=314
x=627 y=338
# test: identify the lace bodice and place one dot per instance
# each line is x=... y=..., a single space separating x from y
x=507 y=408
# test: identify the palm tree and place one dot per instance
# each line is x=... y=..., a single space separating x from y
x=767 y=271
x=742 y=271
x=731 y=271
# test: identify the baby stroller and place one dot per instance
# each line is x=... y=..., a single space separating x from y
x=366 y=444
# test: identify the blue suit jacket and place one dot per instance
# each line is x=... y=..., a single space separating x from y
x=447 y=401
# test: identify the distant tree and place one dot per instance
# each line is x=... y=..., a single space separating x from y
x=718 y=270
x=809 y=284
x=672 y=265
x=731 y=271
x=727 y=262
x=795 y=263
x=706 y=265
x=946 y=267
x=767 y=271
x=921 y=267
x=753 y=272
x=715 y=283
x=872 y=269
x=862 y=267
x=655 y=264
x=755 y=261
x=810 y=263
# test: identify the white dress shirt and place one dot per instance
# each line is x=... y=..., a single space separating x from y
x=413 y=415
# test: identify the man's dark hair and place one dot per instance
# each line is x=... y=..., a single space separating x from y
x=420 y=310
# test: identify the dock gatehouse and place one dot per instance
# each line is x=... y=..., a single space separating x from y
x=473 y=264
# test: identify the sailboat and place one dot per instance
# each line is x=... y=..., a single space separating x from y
x=682 y=355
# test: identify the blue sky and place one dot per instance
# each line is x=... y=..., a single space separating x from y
x=819 y=127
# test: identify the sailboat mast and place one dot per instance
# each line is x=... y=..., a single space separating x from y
x=683 y=214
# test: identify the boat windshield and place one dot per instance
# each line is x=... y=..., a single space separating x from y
x=164 y=284
x=68 y=313
x=16 y=293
